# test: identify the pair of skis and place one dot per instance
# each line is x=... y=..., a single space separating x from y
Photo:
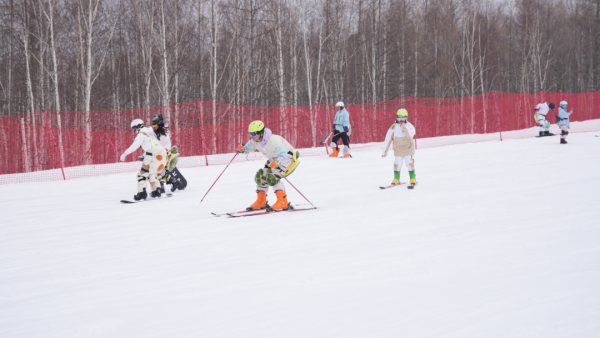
x=396 y=185
x=265 y=211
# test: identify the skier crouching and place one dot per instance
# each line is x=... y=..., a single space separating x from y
x=282 y=161
x=153 y=162
x=541 y=110
x=401 y=134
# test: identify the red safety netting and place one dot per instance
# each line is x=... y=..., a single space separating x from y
x=63 y=145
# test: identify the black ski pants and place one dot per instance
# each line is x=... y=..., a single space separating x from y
x=343 y=135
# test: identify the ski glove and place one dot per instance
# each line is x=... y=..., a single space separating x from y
x=122 y=158
x=274 y=164
x=141 y=158
x=345 y=129
x=240 y=148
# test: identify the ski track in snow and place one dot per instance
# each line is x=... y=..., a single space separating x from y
x=499 y=239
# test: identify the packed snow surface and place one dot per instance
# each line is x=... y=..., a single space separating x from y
x=498 y=239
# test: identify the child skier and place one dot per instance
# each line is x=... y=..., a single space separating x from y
x=153 y=161
x=282 y=161
x=540 y=117
x=401 y=134
x=341 y=129
x=562 y=119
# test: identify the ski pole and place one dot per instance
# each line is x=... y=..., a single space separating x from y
x=236 y=154
x=299 y=192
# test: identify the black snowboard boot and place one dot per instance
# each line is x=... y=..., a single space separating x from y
x=541 y=133
x=140 y=195
x=155 y=193
x=563 y=141
x=162 y=187
x=548 y=133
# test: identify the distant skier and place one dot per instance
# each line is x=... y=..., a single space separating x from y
x=401 y=135
x=341 y=129
x=153 y=161
x=170 y=174
x=540 y=117
x=562 y=119
x=282 y=161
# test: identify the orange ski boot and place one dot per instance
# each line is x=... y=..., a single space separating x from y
x=282 y=202
x=335 y=152
x=261 y=201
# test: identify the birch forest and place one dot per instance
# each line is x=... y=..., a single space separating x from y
x=96 y=55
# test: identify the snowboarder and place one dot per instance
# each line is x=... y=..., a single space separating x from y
x=540 y=117
x=562 y=119
x=153 y=161
x=341 y=129
x=170 y=173
x=282 y=161
x=401 y=135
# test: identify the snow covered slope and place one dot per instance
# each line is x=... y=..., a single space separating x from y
x=499 y=239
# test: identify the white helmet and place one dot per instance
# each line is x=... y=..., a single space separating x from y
x=563 y=104
x=339 y=104
x=137 y=123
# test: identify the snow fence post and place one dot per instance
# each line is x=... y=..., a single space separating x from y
x=109 y=141
x=55 y=146
x=202 y=129
x=416 y=121
x=497 y=113
x=321 y=126
x=290 y=125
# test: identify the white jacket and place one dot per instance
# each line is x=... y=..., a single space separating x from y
x=398 y=133
x=146 y=141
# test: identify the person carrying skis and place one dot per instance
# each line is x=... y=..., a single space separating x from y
x=153 y=161
x=282 y=161
x=562 y=119
x=169 y=174
x=341 y=129
x=401 y=135
x=540 y=117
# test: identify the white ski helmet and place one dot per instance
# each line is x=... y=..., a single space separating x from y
x=563 y=104
x=137 y=123
x=339 y=104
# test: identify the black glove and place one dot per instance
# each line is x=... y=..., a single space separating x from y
x=141 y=158
x=333 y=127
x=346 y=129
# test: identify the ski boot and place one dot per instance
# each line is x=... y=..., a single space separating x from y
x=347 y=153
x=155 y=193
x=282 y=202
x=395 y=181
x=563 y=141
x=413 y=182
x=335 y=152
x=261 y=201
x=140 y=195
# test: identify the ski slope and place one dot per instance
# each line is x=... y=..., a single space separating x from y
x=499 y=239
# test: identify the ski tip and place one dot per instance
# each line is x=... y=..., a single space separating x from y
x=126 y=202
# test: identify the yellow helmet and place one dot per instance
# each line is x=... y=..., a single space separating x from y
x=402 y=112
x=256 y=127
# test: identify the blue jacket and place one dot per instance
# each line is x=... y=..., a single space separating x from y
x=563 y=116
x=342 y=119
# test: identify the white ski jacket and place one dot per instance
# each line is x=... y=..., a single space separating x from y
x=146 y=141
